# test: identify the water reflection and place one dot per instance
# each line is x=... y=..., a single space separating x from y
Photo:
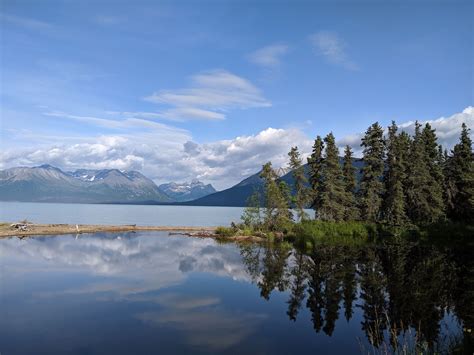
x=406 y=291
x=148 y=292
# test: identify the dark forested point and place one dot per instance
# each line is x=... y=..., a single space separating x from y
x=407 y=186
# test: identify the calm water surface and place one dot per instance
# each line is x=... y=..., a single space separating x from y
x=144 y=293
x=143 y=215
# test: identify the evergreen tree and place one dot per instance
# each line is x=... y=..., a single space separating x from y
x=252 y=216
x=284 y=213
x=423 y=204
x=371 y=187
x=441 y=159
x=277 y=213
x=404 y=142
x=460 y=177
x=394 y=176
x=434 y=164
x=351 y=211
x=449 y=187
x=315 y=164
x=333 y=195
x=301 y=194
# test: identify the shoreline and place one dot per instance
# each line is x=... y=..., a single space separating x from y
x=33 y=229
x=8 y=230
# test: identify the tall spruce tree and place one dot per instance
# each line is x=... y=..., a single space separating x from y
x=315 y=161
x=351 y=212
x=332 y=186
x=404 y=144
x=449 y=187
x=394 y=176
x=436 y=176
x=301 y=191
x=277 y=212
x=460 y=178
x=371 y=186
x=419 y=196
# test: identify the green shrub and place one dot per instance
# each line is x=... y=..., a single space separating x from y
x=307 y=233
x=225 y=231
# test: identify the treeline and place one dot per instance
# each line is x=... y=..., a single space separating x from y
x=404 y=180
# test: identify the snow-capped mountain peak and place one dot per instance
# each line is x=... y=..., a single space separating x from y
x=187 y=191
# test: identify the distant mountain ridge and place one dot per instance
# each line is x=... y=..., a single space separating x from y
x=187 y=191
x=237 y=195
x=47 y=183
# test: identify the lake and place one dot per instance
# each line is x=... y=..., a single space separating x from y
x=142 y=215
x=142 y=293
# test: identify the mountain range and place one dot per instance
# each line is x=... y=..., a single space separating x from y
x=186 y=191
x=47 y=183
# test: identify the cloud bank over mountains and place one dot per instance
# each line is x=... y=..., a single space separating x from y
x=165 y=153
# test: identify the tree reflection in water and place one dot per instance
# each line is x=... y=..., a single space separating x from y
x=402 y=288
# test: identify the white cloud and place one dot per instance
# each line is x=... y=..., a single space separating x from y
x=164 y=153
x=210 y=95
x=236 y=159
x=168 y=156
x=178 y=114
x=183 y=113
x=333 y=48
x=447 y=130
x=116 y=124
x=269 y=56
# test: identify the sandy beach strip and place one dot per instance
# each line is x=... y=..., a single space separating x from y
x=32 y=229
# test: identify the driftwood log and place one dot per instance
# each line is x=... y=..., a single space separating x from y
x=20 y=226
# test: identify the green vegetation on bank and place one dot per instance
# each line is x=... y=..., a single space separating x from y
x=408 y=186
x=307 y=233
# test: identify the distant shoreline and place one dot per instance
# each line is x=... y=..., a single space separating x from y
x=131 y=203
x=33 y=229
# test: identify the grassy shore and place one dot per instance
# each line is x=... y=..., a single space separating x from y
x=305 y=234
x=309 y=233
x=33 y=229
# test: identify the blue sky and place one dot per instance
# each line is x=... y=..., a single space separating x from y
x=180 y=89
